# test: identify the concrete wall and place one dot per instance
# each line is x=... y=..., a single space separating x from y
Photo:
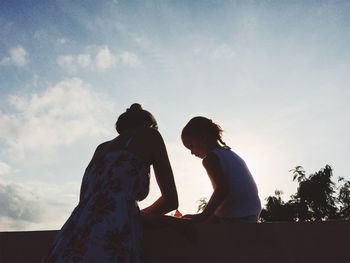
x=241 y=242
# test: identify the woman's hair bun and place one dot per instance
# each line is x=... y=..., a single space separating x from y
x=135 y=117
x=135 y=107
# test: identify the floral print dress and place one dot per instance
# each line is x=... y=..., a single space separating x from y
x=105 y=226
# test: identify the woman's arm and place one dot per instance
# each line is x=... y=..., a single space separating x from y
x=212 y=165
x=165 y=179
x=185 y=227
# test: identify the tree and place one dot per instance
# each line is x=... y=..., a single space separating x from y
x=277 y=210
x=315 y=200
x=316 y=192
x=344 y=199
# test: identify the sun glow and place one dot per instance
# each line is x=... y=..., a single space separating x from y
x=257 y=156
x=191 y=180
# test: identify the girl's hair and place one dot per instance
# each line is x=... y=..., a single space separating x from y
x=135 y=117
x=201 y=125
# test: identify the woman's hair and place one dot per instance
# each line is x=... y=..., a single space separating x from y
x=135 y=117
x=201 y=125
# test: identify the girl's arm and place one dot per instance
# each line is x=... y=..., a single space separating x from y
x=165 y=179
x=212 y=164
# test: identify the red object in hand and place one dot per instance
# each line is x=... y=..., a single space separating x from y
x=177 y=214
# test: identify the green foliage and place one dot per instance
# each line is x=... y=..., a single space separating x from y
x=344 y=199
x=298 y=173
x=317 y=199
x=277 y=210
x=203 y=201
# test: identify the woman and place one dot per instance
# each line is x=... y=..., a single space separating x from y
x=106 y=224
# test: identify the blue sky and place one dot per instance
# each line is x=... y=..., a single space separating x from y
x=273 y=74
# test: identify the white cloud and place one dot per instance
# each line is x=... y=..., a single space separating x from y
x=60 y=115
x=16 y=56
x=73 y=62
x=105 y=59
x=36 y=206
x=84 y=60
x=130 y=59
x=4 y=168
x=19 y=204
x=223 y=51
x=5 y=61
x=62 y=41
x=67 y=61
x=143 y=42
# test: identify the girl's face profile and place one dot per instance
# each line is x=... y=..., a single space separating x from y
x=196 y=146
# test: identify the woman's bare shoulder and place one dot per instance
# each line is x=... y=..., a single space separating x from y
x=102 y=146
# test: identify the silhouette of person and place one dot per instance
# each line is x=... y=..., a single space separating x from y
x=106 y=224
x=235 y=196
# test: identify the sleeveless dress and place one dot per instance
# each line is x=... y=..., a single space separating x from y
x=106 y=224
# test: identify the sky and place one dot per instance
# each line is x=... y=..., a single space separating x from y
x=273 y=74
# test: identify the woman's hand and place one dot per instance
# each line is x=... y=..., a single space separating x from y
x=196 y=217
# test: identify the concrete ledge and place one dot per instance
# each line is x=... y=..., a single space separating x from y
x=241 y=242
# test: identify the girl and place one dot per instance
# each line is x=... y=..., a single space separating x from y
x=235 y=196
